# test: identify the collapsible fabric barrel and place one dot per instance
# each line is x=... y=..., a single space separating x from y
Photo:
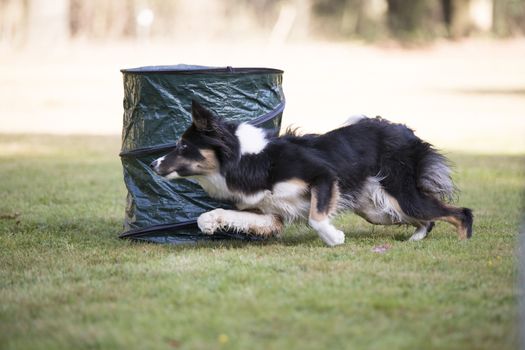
x=157 y=110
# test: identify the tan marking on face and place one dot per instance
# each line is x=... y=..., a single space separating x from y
x=209 y=164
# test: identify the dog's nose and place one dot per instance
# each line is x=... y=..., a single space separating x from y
x=153 y=164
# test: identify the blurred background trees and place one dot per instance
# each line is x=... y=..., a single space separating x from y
x=23 y=21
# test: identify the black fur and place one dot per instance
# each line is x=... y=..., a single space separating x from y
x=409 y=169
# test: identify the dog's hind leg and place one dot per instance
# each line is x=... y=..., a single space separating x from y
x=324 y=198
x=421 y=207
x=239 y=221
x=422 y=231
x=461 y=218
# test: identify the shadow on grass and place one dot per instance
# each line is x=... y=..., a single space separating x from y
x=492 y=91
x=295 y=235
x=307 y=239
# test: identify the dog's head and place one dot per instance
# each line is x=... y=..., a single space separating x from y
x=201 y=149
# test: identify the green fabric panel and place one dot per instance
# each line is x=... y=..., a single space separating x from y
x=157 y=110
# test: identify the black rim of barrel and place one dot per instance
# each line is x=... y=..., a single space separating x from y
x=199 y=70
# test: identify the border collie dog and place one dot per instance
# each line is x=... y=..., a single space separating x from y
x=375 y=168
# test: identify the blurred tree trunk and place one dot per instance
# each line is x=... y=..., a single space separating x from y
x=500 y=23
x=408 y=18
x=48 y=21
x=102 y=18
x=403 y=14
x=13 y=21
x=456 y=17
x=508 y=17
x=302 y=22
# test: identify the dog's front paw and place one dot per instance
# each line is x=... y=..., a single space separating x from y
x=210 y=222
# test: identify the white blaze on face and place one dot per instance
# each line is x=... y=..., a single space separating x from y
x=156 y=166
x=251 y=139
x=156 y=163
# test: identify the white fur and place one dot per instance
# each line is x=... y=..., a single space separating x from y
x=383 y=201
x=252 y=140
x=436 y=179
x=287 y=199
x=420 y=233
x=252 y=200
x=354 y=119
x=173 y=175
x=157 y=162
x=376 y=205
x=215 y=185
x=287 y=189
x=211 y=221
x=327 y=232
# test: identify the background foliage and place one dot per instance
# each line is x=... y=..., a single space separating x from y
x=22 y=20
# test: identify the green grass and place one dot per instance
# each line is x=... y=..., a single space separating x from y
x=67 y=282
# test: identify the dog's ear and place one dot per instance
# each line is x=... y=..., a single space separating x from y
x=202 y=118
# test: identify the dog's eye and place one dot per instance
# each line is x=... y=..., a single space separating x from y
x=182 y=146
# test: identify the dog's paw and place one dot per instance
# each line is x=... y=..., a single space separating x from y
x=327 y=232
x=336 y=237
x=332 y=236
x=418 y=236
x=210 y=222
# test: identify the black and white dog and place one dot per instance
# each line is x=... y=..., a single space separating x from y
x=378 y=169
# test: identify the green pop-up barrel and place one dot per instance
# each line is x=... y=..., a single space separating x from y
x=157 y=110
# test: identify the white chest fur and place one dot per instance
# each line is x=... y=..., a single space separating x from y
x=215 y=185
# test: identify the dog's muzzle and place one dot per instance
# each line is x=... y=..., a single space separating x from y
x=155 y=165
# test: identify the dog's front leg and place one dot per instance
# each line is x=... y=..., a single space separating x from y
x=239 y=221
x=324 y=198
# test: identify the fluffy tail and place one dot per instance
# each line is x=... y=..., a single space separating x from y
x=434 y=176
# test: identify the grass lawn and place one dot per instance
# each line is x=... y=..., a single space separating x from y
x=67 y=282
